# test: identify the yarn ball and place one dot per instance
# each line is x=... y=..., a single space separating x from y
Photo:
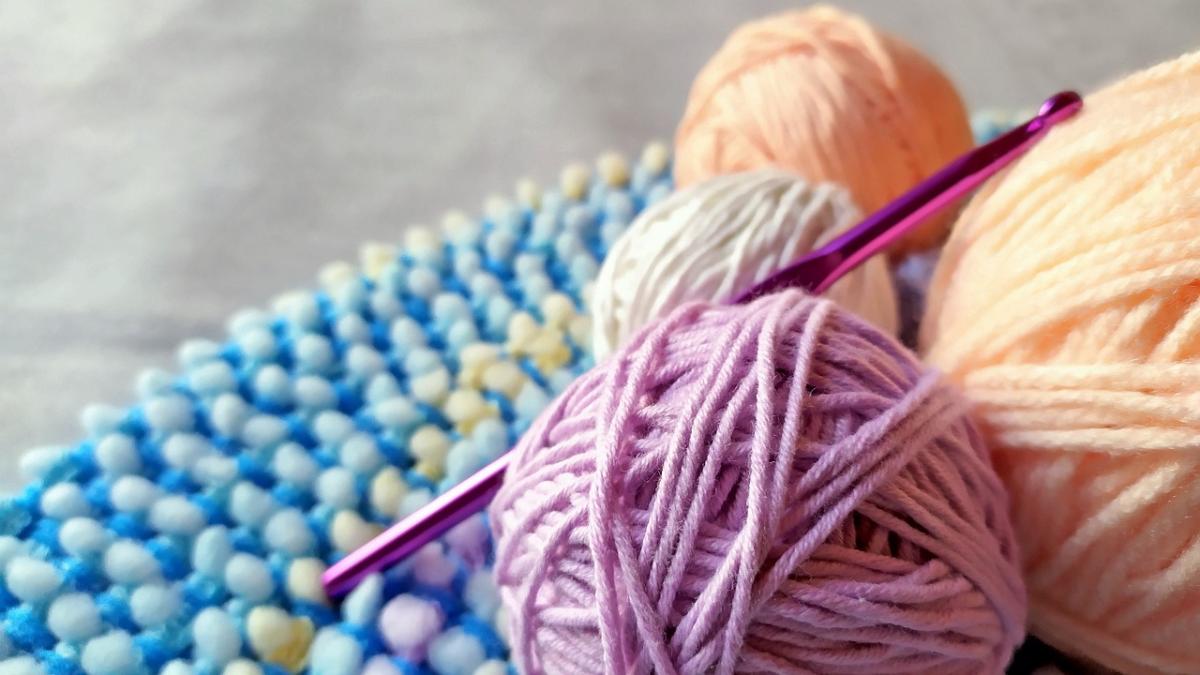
x=720 y=236
x=1067 y=304
x=775 y=487
x=824 y=94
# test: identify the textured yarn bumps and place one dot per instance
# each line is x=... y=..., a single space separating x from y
x=776 y=487
x=1067 y=304
x=827 y=96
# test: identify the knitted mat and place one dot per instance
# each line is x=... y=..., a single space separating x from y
x=187 y=533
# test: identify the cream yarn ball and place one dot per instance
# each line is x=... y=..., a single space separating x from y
x=712 y=239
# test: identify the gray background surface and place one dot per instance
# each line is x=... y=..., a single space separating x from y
x=164 y=163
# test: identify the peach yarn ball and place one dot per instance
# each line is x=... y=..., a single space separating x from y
x=823 y=94
x=1067 y=305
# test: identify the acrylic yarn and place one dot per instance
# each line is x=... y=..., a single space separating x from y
x=717 y=237
x=776 y=487
x=825 y=95
x=1067 y=304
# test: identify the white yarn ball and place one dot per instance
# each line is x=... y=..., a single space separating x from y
x=714 y=239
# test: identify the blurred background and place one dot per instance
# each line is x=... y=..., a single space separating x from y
x=163 y=164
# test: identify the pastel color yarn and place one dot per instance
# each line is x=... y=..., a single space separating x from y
x=719 y=236
x=776 y=487
x=1066 y=303
x=824 y=94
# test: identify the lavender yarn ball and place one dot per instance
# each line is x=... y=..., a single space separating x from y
x=776 y=487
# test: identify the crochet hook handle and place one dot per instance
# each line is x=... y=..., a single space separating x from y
x=815 y=272
x=818 y=270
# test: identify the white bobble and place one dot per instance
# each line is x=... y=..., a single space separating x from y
x=422 y=243
x=432 y=568
x=335 y=653
x=335 y=488
x=215 y=470
x=469 y=539
x=264 y=431
x=405 y=334
x=21 y=665
x=170 y=413
x=314 y=393
x=423 y=282
x=412 y=501
x=384 y=305
x=304 y=581
x=492 y=667
x=397 y=414
x=299 y=307
x=501 y=625
x=11 y=547
x=288 y=532
x=432 y=387
x=229 y=414
x=481 y=594
x=212 y=551
x=352 y=328
x=215 y=636
x=36 y=462
x=500 y=244
x=336 y=274
x=272 y=383
x=422 y=360
x=363 y=362
x=128 y=562
x=31 y=580
x=249 y=577
x=64 y=500
x=250 y=505
x=375 y=257
x=456 y=652
x=292 y=464
x=380 y=665
x=332 y=427
x=181 y=451
x=212 y=378
x=360 y=454
x=118 y=455
x=408 y=623
x=314 y=353
x=154 y=605
x=194 y=352
x=257 y=344
x=242 y=667
x=460 y=228
x=132 y=494
x=247 y=319
x=362 y=605
x=98 y=419
x=73 y=617
x=177 y=667
x=174 y=514
x=82 y=536
x=382 y=387
x=110 y=654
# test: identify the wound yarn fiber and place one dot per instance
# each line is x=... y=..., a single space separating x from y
x=1067 y=305
x=824 y=94
x=777 y=487
x=714 y=238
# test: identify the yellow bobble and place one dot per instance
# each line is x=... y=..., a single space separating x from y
x=421 y=240
x=574 y=181
x=430 y=444
x=279 y=638
x=523 y=329
x=349 y=531
x=529 y=193
x=241 y=667
x=496 y=206
x=655 y=157
x=504 y=377
x=558 y=310
x=454 y=222
x=466 y=407
x=473 y=360
x=431 y=387
x=613 y=169
x=434 y=471
x=375 y=258
x=548 y=351
x=388 y=488
x=580 y=330
x=304 y=580
x=335 y=275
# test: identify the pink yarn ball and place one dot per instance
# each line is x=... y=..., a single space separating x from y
x=776 y=488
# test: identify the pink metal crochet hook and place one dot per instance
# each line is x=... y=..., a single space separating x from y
x=815 y=272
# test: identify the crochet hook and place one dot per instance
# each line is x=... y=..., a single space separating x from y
x=815 y=272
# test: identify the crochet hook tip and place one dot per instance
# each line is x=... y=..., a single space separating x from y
x=1060 y=107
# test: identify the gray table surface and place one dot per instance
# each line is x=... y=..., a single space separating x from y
x=164 y=164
